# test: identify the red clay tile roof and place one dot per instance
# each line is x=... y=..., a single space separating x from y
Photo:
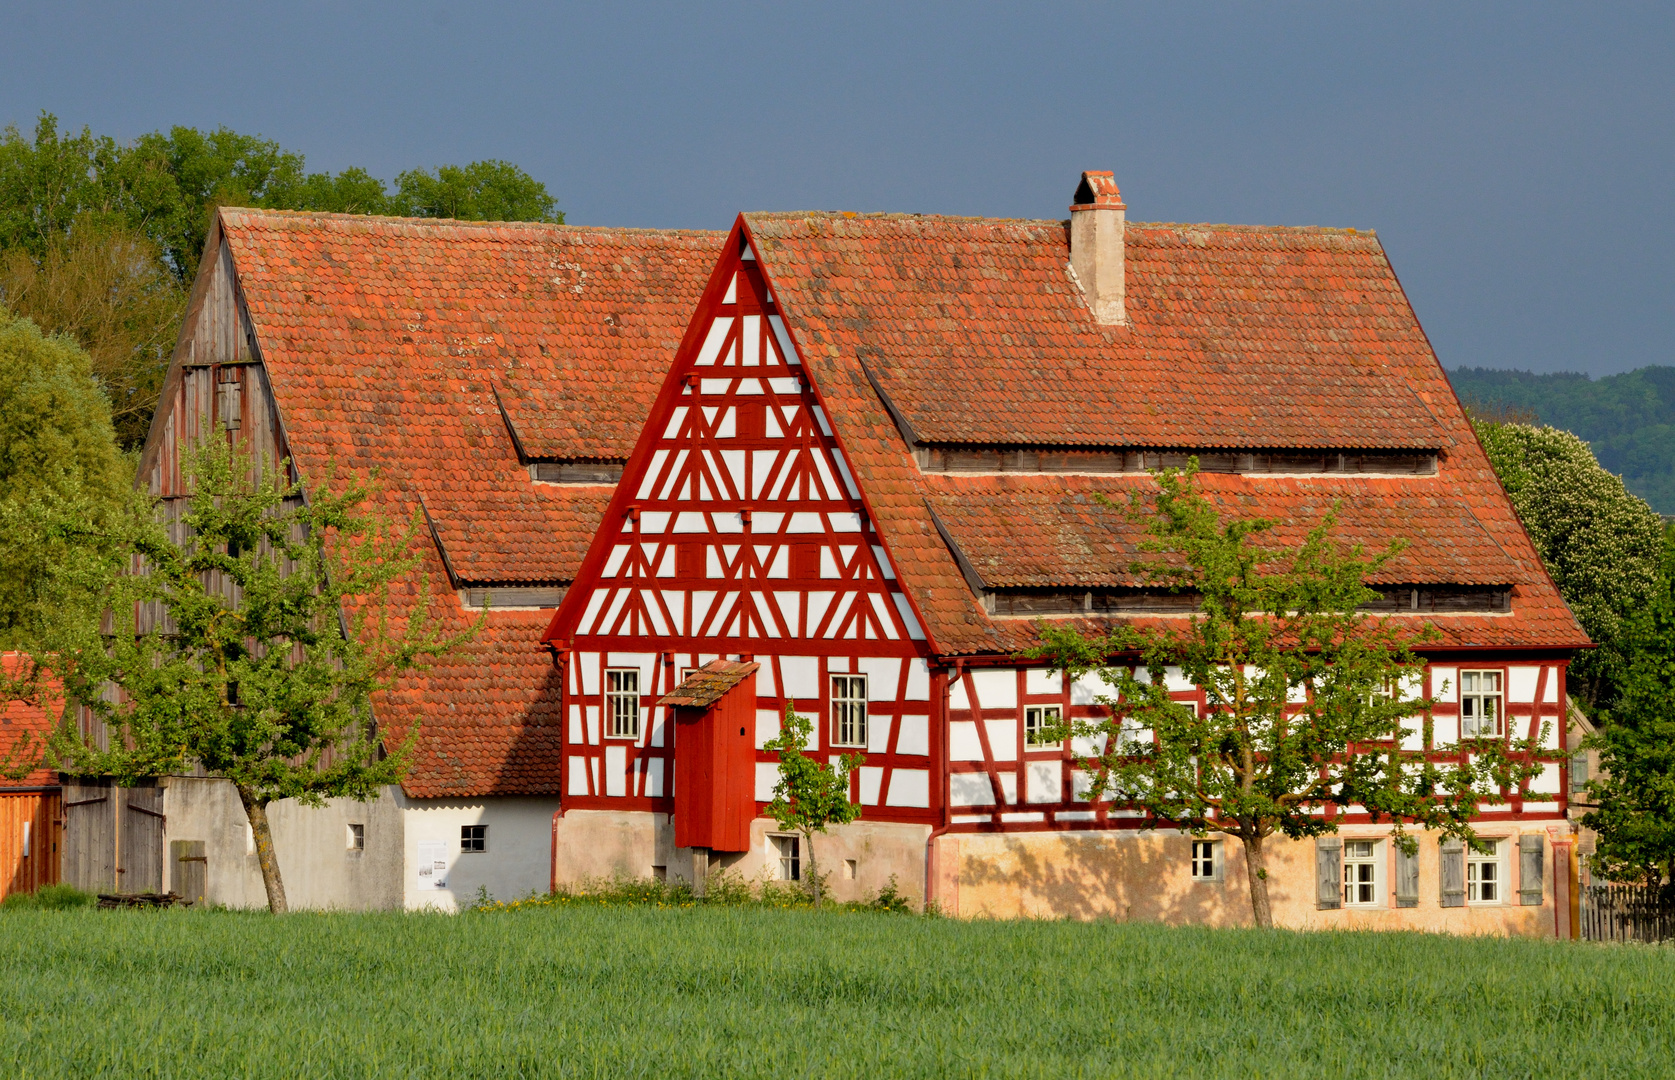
x=386 y=341
x=709 y=684
x=20 y=720
x=1239 y=337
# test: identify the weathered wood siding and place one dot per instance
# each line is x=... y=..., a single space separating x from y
x=31 y=838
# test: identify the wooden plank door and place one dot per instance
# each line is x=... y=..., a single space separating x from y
x=89 y=861
x=139 y=865
x=188 y=871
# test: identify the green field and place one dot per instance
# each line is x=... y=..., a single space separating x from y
x=644 y=992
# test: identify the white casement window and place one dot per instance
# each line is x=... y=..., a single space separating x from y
x=622 y=703
x=1485 y=874
x=1360 y=873
x=849 y=710
x=1480 y=704
x=788 y=851
x=1039 y=720
x=1206 y=860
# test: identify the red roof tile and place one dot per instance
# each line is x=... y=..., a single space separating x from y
x=393 y=345
x=1239 y=337
x=20 y=720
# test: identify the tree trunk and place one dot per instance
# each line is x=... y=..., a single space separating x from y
x=257 y=811
x=1257 y=869
x=813 y=871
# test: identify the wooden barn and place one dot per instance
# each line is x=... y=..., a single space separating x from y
x=495 y=376
x=872 y=466
x=31 y=806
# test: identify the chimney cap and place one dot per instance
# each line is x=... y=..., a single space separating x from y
x=1097 y=191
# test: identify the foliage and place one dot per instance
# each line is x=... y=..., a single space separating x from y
x=1634 y=799
x=809 y=795
x=724 y=889
x=1628 y=419
x=750 y=993
x=1309 y=699
x=481 y=191
x=58 y=456
x=1600 y=543
x=277 y=634
x=100 y=239
x=104 y=286
x=49 y=898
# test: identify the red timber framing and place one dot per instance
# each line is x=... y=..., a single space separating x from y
x=738 y=531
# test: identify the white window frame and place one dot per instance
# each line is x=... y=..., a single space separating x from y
x=1363 y=873
x=785 y=853
x=849 y=711
x=621 y=699
x=1476 y=861
x=1205 y=860
x=480 y=842
x=1473 y=693
x=1037 y=717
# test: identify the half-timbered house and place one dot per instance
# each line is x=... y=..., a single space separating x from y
x=494 y=377
x=873 y=466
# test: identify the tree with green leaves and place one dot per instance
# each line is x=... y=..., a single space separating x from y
x=1634 y=799
x=250 y=643
x=809 y=796
x=1600 y=543
x=481 y=191
x=58 y=457
x=1309 y=699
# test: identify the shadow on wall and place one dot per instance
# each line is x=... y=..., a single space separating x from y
x=1127 y=875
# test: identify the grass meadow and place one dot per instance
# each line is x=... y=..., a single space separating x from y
x=648 y=991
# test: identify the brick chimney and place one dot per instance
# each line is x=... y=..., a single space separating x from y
x=1096 y=246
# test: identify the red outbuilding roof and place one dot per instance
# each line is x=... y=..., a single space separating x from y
x=396 y=346
x=976 y=333
x=24 y=726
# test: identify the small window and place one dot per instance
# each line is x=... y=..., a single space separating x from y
x=849 y=710
x=26 y=847
x=1360 y=873
x=473 y=837
x=1480 y=704
x=356 y=839
x=1485 y=876
x=622 y=703
x=1039 y=723
x=1204 y=859
x=788 y=850
x=1579 y=773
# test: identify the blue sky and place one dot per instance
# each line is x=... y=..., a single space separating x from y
x=1516 y=160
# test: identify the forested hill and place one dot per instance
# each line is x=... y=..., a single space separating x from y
x=1628 y=419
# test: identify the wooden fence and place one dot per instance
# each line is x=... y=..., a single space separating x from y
x=1626 y=913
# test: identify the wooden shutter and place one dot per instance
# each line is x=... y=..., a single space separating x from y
x=1530 y=883
x=1328 y=871
x=1407 y=878
x=1218 y=851
x=190 y=870
x=1453 y=875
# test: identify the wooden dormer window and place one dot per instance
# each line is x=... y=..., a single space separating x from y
x=229 y=405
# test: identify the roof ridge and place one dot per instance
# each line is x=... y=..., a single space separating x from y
x=373 y=222
x=874 y=216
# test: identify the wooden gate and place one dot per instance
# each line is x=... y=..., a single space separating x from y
x=113 y=836
x=1627 y=913
x=30 y=840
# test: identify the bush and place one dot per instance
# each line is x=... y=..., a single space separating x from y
x=49 y=898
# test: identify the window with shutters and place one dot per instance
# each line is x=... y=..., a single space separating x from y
x=788 y=851
x=849 y=710
x=1361 y=873
x=1579 y=773
x=1040 y=725
x=1480 y=704
x=1206 y=860
x=622 y=703
x=1486 y=874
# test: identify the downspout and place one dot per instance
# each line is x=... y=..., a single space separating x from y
x=560 y=665
x=930 y=841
